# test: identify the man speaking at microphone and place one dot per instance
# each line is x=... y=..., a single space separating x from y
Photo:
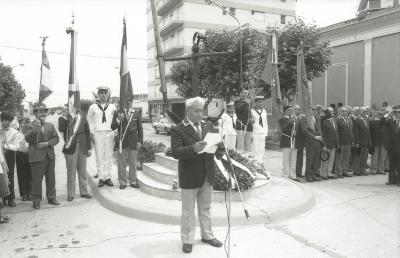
x=130 y=136
x=196 y=173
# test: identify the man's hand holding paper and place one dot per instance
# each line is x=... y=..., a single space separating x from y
x=212 y=140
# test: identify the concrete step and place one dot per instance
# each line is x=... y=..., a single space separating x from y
x=160 y=173
x=166 y=161
x=156 y=188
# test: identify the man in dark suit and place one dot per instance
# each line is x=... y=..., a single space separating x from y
x=345 y=141
x=311 y=129
x=299 y=141
x=287 y=125
x=392 y=121
x=196 y=173
x=42 y=137
x=131 y=142
x=77 y=152
x=330 y=137
x=362 y=142
x=377 y=131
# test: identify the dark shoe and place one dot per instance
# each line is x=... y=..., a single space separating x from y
x=122 y=187
x=11 y=203
x=309 y=180
x=53 y=202
x=86 y=196
x=390 y=183
x=96 y=176
x=134 y=185
x=324 y=178
x=340 y=176
x=214 y=242
x=380 y=173
x=187 y=248
x=101 y=183
x=108 y=182
x=332 y=177
x=70 y=199
x=36 y=205
x=300 y=176
x=314 y=178
x=347 y=175
x=24 y=198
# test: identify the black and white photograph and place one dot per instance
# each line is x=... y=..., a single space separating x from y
x=200 y=128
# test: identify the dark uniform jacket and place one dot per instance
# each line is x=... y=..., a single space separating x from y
x=309 y=133
x=193 y=168
x=134 y=133
x=287 y=125
x=35 y=134
x=345 y=130
x=393 y=129
x=330 y=133
x=242 y=110
x=377 y=132
x=82 y=136
x=361 y=132
x=300 y=138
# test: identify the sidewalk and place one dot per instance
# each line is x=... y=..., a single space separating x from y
x=281 y=200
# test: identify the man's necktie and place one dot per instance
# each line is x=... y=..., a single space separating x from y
x=233 y=121
x=198 y=130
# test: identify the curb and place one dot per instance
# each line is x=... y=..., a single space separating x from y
x=258 y=215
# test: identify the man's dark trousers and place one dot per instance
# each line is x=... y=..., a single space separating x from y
x=40 y=169
x=9 y=155
x=24 y=173
x=299 y=162
x=313 y=159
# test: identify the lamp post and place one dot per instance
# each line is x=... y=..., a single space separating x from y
x=210 y=2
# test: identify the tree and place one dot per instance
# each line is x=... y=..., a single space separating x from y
x=219 y=75
x=317 y=54
x=11 y=92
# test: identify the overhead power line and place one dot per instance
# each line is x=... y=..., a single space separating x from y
x=90 y=56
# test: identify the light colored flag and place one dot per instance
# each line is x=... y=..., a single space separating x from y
x=270 y=75
x=46 y=81
x=73 y=86
x=125 y=90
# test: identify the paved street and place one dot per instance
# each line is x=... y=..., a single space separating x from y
x=352 y=217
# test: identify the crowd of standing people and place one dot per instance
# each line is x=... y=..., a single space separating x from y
x=338 y=142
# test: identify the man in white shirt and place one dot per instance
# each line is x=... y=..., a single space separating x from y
x=10 y=139
x=100 y=116
x=228 y=125
x=260 y=128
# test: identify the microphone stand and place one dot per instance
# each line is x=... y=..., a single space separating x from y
x=232 y=172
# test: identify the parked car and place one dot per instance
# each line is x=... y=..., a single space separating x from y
x=163 y=124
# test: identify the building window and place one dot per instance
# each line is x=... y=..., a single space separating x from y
x=224 y=11
x=283 y=19
x=232 y=11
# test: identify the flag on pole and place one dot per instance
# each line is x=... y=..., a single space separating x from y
x=125 y=90
x=73 y=87
x=303 y=94
x=270 y=75
x=46 y=82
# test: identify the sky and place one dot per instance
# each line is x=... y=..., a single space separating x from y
x=99 y=25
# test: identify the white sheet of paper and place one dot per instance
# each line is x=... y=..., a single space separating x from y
x=212 y=140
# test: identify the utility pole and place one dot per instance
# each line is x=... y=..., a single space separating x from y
x=160 y=56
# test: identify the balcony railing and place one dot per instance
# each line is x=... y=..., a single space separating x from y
x=164 y=6
x=171 y=23
x=173 y=46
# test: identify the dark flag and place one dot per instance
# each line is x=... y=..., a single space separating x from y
x=73 y=87
x=125 y=90
x=45 y=76
x=303 y=95
x=270 y=75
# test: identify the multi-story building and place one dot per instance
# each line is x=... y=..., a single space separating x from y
x=180 y=19
x=365 y=67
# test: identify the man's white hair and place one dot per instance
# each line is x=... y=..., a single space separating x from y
x=189 y=102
